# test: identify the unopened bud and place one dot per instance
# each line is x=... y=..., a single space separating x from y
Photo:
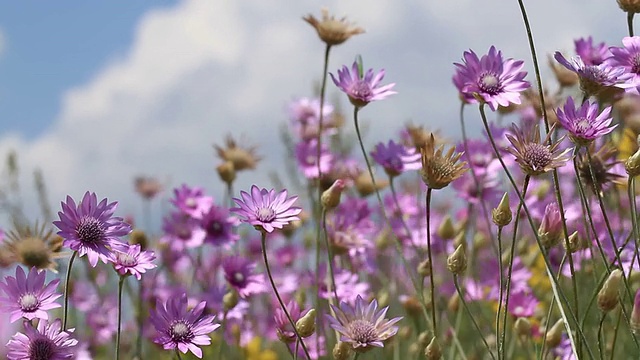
x=454 y=303
x=424 y=339
x=433 y=350
x=364 y=185
x=411 y=305
x=634 y=320
x=405 y=332
x=230 y=300
x=383 y=298
x=341 y=351
x=554 y=335
x=608 y=295
x=306 y=325
x=457 y=262
x=632 y=165
x=139 y=237
x=461 y=239
x=502 y=215
x=575 y=243
x=446 y=230
x=424 y=268
x=330 y=198
x=227 y=172
x=522 y=327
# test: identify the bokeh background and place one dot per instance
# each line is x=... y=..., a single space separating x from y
x=95 y=93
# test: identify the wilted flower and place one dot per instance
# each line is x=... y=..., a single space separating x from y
x=182 y=329
x=242 y=159
x=606 y=168
x=331 y=30
x=34 y=247
x=493 y=79
x=362 y=90
x=438 y=169
x=630 y=6
x=266 y=210
x=46 y=341
x=362 y=326
x=533 y=156
x=584 y=124
x=26 y=296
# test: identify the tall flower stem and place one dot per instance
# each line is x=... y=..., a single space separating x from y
x=501 y=294
x=323 y=90
x=396 y=202
x=223 y=326
x=554 y=284
x=631 y=186
x=473 y=320
x=66 y=291
x=275 y=290
x=178 y=354
x=512 y=255
x=397 y=244
x=329 y=256
x=551 y=304
x=600 y=350
x=630 y=15
x=431 y=282
x=140 y=318
x=120 y=283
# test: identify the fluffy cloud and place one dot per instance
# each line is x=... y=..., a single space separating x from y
x=202 y=69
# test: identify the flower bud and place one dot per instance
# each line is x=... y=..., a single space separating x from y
x=554 y=335
x=433 y=350
x=522 y=327
x=446 y=230
x=411 y=305
x=502 y=215
x=364 y=185
x=424 y=339
x=330 y=198
x=306 y=325
x=230 y=300
x=341 y=351
x=550 y=230
x=575 y=243
x=227 y=172
x=634 y=321
x=457 y=262
x=405 y=332
x=454 y=303
x=139 y=237
x=632 y=165
x=608 y=295
x=424 y=268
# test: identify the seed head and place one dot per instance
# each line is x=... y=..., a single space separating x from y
x=227 y=172
x=242 y=158
x=440 y=169
x=331 y=30
x=630 y=6
x=533 y=156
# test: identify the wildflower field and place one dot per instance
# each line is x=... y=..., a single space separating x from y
x=520 y=242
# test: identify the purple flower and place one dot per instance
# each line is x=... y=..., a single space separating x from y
x=584 y=124
x=132 y=261
x=495 y=80
x=103 y=320
x=218 y=225
x=522 y=303
x=589 y=53
x=307 y=156
x=362 y=90
x=239 y=274
x=594 y=78
x=628 y=58
x=44 y=342
x=90 y=227
x=396 y=158
x=191 y=201
x=182 y=231
x=283 y=326
x=362 y=326
x=26 y=296
x=266 y=210
x=182 y=329
x=304 y=114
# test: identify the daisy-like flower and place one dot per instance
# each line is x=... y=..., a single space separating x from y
x=307 y=156
x=493 y=79
x=396 y=158
x=362 y=326
x=331 y=30
x=191 y=201
x=90 y=227
x=265 y=209
x=132 y=261
x=440 y=169
x=362 y=90
x=239 y=274
x=242 y=158
x=584 y=124
x=628 y=58
x=218 y=226
x=47 y=341
x=591 y=54
x=26 y=296
x=182 y=329
x=34 y=246
x=594 y=78
x=533 y=156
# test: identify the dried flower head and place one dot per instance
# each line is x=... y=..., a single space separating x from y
x=440 y=169
x=604 y=167
x=533 y=156
x=34 y=247
x=630 y=6
x=331 y=30
x=565 y=77
x=147 y=187
x=242 y=158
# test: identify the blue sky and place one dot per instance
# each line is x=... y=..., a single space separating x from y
x=51 y=46
x=95 y=93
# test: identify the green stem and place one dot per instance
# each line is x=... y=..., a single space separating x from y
x=275 y=290
x=600 y=350
x=396 y=202
x=140 y=319
x=431 y=282
x=615 y=334
x=223 y=328
x=630 y=15
x=329 y=256
x=120 y=283
x=500 y=296
x=66 y=291
x=550 y=311
x=475 y=324
x=178 y=354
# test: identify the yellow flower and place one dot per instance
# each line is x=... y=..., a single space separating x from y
x=253 y=351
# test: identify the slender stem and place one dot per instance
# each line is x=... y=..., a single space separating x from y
x=634 y=215
x=600 y=350
x=323 y=89
x=396 y=202
x=475 y=324
x=512 y=255
x=501 y=281
x=630 y=15
x=355 y=357
x=554 y=284
x=178 y=354
x=66 y=291
x=615 y=334
x=329 y=256
x=140 y=318
x=222 y=326
x=275 y=290
x=550 y=311
x=433 y=287
x=120 y=283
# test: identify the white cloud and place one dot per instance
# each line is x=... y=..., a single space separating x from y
x=202 y=69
